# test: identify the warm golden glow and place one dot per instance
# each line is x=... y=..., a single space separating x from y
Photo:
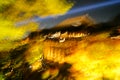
x=36 y=65
x=96 y=60
x=93 y=58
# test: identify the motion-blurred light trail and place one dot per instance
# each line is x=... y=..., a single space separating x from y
x=94 y=6
x=80 y=10
x=34 y=19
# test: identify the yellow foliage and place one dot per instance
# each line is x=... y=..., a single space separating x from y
x=12 y=11
x=34 y=53
x=23 y=9
x=9 y=31
x=5 y=4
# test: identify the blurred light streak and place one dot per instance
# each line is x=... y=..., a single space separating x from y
x=46 y=21
x=94 y=6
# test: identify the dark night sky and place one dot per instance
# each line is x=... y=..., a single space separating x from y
x=100 y=14
x=79 y=3
x=99 y=10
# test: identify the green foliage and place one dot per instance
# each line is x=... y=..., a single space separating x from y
x=2 y=76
